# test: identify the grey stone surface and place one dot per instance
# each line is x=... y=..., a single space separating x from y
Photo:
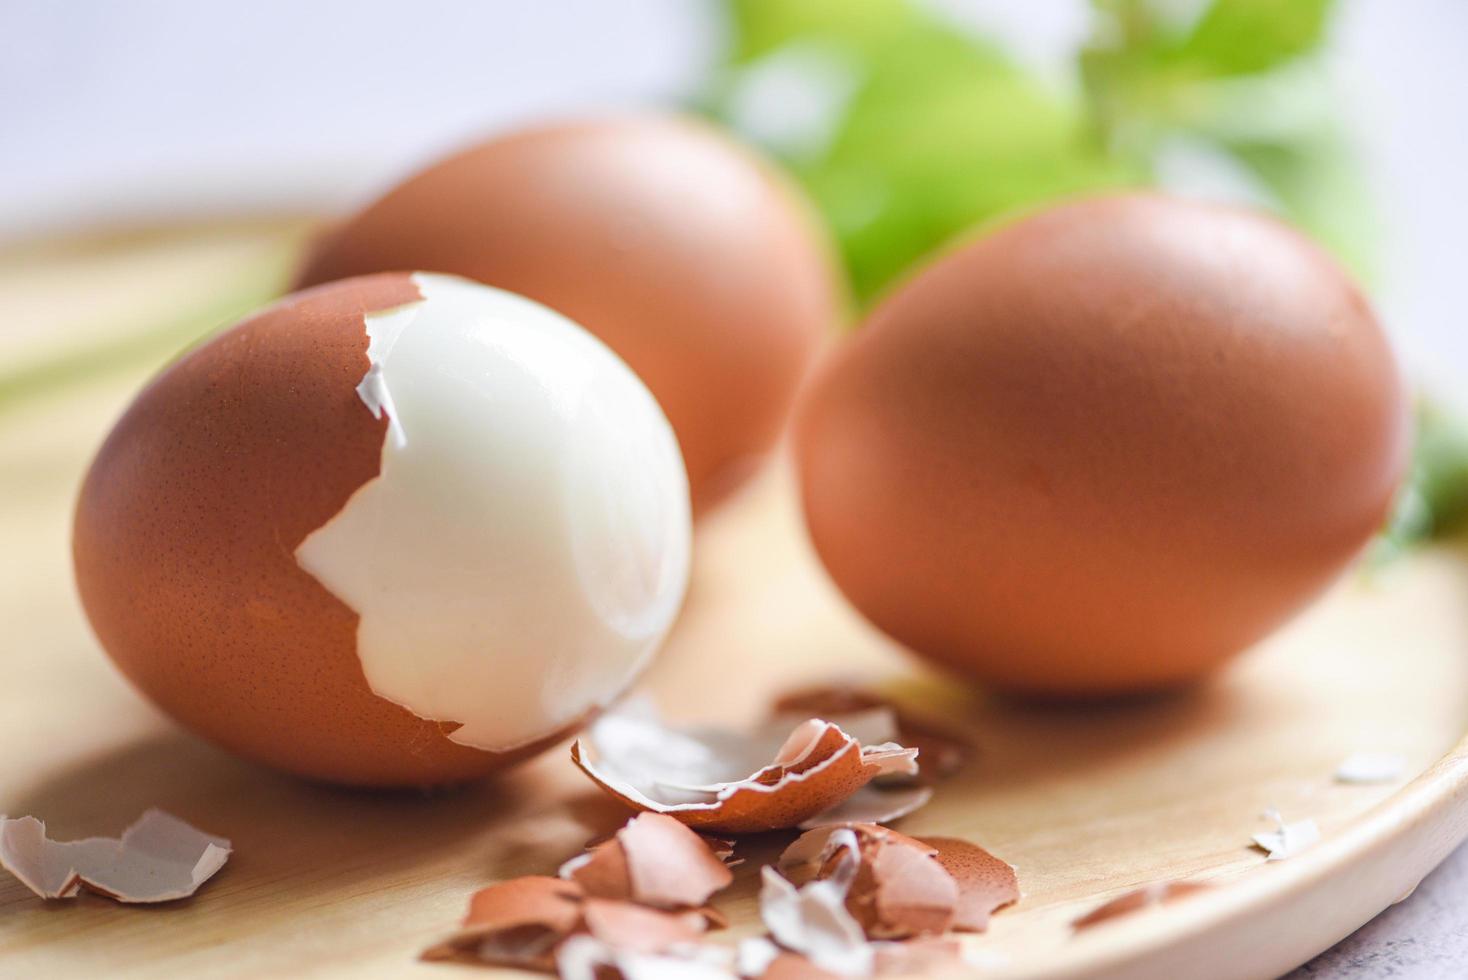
x=1422 y=938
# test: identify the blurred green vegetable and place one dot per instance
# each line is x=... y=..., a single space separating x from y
x=904 y=130
x=1239 y=37
x=1434 y=500
x=907 y=130
x=1440 y=468
x=1239 y=84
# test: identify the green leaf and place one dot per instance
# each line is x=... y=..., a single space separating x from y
x=941 y=139
x=1440 y=467
x=1237 y=84
x=911 y=132
x=1238 y=37
x=761 y=26
x=1433 y=503
x=937 y=131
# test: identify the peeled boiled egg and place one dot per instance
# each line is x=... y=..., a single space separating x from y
x=397 y=530
x=691 y=257
x=1105 y=447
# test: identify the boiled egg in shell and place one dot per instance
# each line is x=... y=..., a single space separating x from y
x=395 y=530
x=1104 y=447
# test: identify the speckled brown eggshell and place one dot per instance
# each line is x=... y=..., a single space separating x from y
x=690 y=257
x=185 y=539
x=1104 y=448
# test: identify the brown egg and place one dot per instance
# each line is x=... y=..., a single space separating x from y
x=1105 y=447
x=284 y=576
x=693 y=259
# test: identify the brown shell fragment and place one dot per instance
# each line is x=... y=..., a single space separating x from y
x=523 y=947
x=669 y=865
x=900 y=889
x=584 y=957
x=723 y=849
x=817 y=767
x=985 y=883
x=816 y=853
x=159 y=858
x=812 y=920
x=913 y=958
x=873 y=803
x=514 y=923
x=653 y=860
x=601 y=870
x=942 y=750
x=637 y=929
x=793 y=966
x=1157 y=893
x=532 y=900
x=916 y=957
x=604 y=896
x=910 y=893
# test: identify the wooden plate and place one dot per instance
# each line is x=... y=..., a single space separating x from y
x=1087 y=802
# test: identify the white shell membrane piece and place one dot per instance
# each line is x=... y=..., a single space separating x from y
x=525 y=548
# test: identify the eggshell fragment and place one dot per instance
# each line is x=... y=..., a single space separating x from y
x=158 y=859
x=723 y=849
x=755 y=955
x=637 y=929
x=1287 y=839
x=653 y=860
x=873 y=803
x=514 y=923
x=899 y=889
x=727 y=782
x=913 y=958
x=917 y=957
x=1157 y=893
x=1371 y=767
x=521 y=922
x=874 y=719
x=793 y=966
x=600 y=870
x=585 y=957
x=692 y=258
x=941 y=749
x=911 y=894
x=985 y=883
x=532 y=900
x=813 y=920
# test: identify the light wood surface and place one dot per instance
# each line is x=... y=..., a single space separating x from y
x=1087 y=802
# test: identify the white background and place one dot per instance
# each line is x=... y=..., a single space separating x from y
x=113 y=112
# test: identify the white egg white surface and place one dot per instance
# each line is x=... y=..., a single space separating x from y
x=525 y=547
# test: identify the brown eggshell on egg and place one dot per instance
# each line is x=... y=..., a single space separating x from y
x=692 y=258
x=185 y=539
x=1105 y=447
